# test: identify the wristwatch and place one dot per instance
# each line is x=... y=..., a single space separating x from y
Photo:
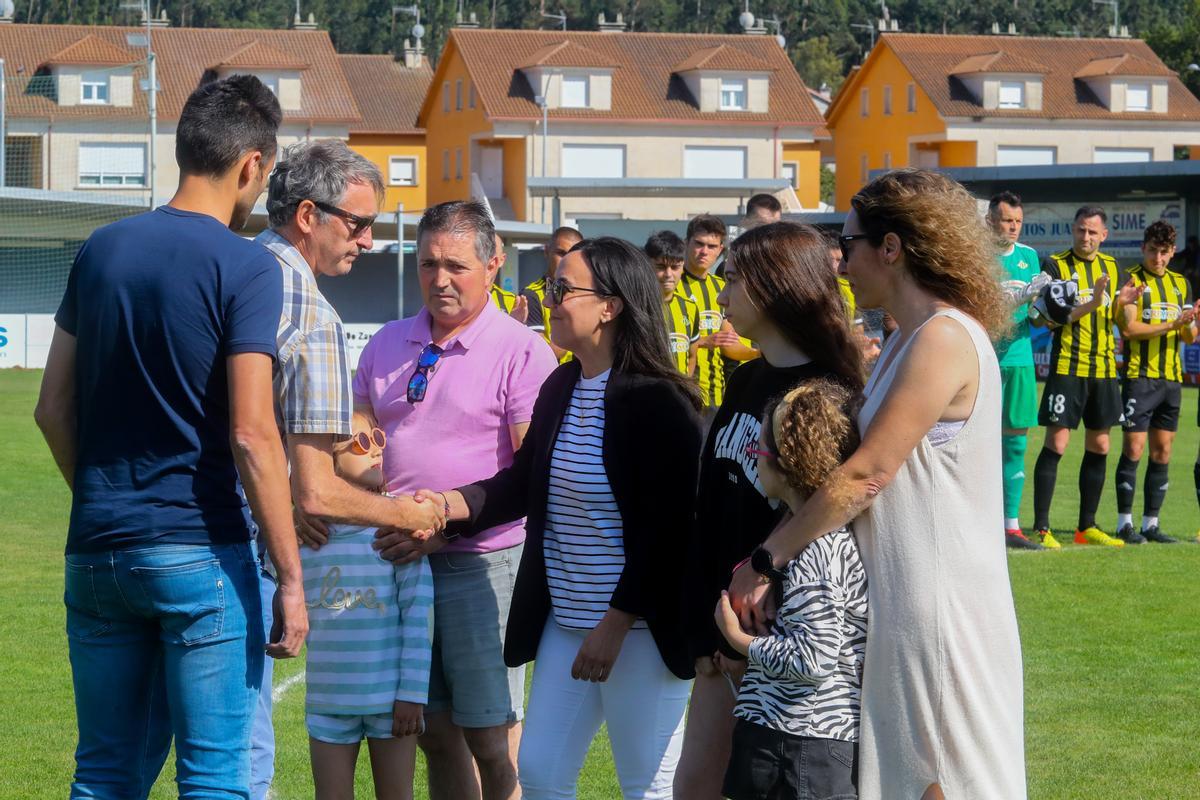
x=762 y=562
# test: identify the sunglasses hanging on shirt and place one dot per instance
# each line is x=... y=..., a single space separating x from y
x=418 y=384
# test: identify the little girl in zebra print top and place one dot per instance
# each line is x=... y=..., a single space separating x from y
x=798 y=704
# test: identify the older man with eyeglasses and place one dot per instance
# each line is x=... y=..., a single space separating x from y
x=322 y=200
x=453 y=388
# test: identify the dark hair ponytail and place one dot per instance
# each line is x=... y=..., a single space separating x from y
x=641 y=347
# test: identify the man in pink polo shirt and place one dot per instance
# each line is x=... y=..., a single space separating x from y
x=453 y=388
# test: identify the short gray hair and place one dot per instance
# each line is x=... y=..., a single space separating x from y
x=319 y=171
x=459 y=218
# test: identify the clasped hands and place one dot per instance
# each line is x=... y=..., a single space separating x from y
x=420 y=516
x=405 y=545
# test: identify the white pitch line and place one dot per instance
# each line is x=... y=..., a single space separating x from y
x=279 y=691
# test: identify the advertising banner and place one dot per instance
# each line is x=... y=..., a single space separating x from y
x=12 y=340
x=1048 y=226
x=357 y=336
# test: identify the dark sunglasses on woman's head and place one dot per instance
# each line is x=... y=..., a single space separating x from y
x=845 y=241
x=558 y=289
x=357 y=224
x=418 y=384
x=360 y=442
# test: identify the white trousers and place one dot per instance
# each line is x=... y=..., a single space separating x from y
x=642 y=703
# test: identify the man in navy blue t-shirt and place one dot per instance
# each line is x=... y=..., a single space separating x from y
x=156 y=397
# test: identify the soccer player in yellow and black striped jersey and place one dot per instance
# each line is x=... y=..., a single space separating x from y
x=1083 y=381
x=705 y=241
x=666 y=252
x=505 y=300
x=559 y=244
x=1155 y=313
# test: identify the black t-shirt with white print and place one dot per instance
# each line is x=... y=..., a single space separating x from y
x=733 y=514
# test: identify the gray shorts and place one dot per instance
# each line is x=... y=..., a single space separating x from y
x=468 y=678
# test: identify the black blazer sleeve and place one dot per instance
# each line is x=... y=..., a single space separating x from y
x=663 y=456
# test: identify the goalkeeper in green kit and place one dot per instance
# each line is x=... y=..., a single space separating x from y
x=1023 y=281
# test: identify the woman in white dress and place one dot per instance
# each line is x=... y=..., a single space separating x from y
x=942 y=687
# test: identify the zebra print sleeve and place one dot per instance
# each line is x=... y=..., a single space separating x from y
x=809 y=632
x=805 y=678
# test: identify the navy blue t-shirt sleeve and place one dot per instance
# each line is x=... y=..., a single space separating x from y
x=254 y=307
x=67 y=315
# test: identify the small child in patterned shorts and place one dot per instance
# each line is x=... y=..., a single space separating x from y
x=798 y=704
x=370 y=644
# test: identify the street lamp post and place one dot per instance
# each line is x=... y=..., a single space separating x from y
x=544 y=106
x=152 y=102
x=3 y=129
x=399 y=260
x=150 y=86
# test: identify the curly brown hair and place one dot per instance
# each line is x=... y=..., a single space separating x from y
x=1159 y=234
x=948 y=249
x=811 y=431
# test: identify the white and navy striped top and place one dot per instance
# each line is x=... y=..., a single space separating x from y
x=805 y=677
x=584 y=546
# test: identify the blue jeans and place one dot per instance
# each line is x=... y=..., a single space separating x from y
x=164 y=640
x=262 y=736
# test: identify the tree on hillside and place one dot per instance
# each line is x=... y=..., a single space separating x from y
x=1179 y=45
x=817 y=63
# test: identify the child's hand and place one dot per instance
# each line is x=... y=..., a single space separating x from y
x=731 y=629
x=408 y=719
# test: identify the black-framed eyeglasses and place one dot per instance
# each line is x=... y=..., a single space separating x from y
x=418 y=384
x=357 y=224
x=558 y=289
x=844 y=241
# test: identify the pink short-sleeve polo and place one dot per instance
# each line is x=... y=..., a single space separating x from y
x=486 y=380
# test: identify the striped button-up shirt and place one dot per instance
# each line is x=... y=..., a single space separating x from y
x=312 y=376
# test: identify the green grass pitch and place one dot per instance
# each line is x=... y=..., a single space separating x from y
x=1110 y=642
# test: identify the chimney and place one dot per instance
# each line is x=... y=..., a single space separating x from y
x=414 y=57
x=1012 y=29
x=995 y=28
x=6 y=12
x=471 y=21
x=162 y=22
x=310 y=25
x=612 y=27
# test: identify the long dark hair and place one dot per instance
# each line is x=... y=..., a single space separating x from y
x=788 y=275
x=620 y=269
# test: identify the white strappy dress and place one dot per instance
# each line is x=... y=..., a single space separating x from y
x=942 y=683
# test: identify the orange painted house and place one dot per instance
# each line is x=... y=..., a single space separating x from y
x=389 y=93
x=931 y=100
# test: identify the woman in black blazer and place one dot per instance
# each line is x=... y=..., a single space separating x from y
x=607 y=477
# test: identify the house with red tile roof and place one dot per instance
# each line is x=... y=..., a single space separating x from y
x=932 y=100
x=636 y=125
x=77 y=114
x=389 y=93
